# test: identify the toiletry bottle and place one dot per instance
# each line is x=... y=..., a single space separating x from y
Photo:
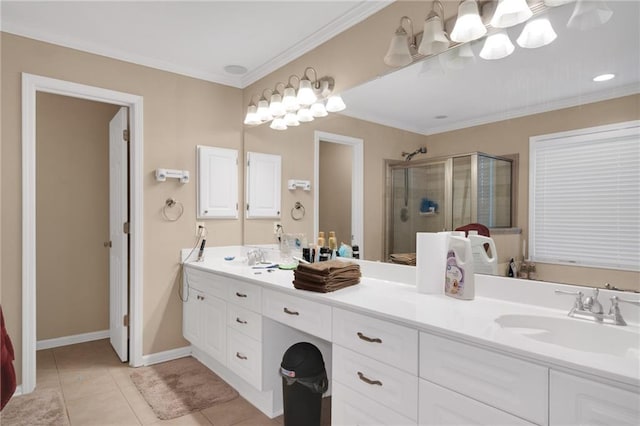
x=320 y=239
x=333 y=243
x=482 y=262
x=356 y=252
x=512 y=271
x=459 y=275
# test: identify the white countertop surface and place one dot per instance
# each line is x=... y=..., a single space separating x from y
x=471 y=321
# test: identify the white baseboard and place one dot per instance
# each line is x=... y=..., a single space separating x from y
x=71 y=340
x=165 y=356
x=18 y=391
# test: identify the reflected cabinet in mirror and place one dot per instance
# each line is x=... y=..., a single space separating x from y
x=443 y=194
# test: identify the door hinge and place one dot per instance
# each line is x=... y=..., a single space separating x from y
x=107 y=244
x=236 y=206
x=125 y=320
x=125 y=227
x=247 y=206
x=125 y=135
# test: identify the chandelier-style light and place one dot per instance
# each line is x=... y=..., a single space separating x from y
x=290 y=107
x=470 y=25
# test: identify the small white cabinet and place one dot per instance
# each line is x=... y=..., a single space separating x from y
x=263 y=190
x=205 y=323
x=578 y=401
x=217 y=183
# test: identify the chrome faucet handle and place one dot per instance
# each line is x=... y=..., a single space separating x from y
x=631 y=302
x=578 y=304
x=592 y=304
x=614 y=311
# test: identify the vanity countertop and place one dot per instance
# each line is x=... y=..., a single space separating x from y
x=472 y=321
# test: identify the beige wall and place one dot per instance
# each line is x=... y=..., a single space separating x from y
x=334 y=196
x=72 y=216
x=179 y=114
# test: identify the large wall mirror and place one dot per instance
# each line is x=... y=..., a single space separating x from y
x=463 y=103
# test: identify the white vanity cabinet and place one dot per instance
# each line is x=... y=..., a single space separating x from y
x=501 y=382
x=375 y=371
x=205 y=323
x=579 y=401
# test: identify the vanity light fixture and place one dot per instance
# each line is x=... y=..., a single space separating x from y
x=288 y=107
x=536 y=33
x=459 y=58
x=555 y=3
x=399 y=53
x=510 y=12
x=434 y=38
x=589 y=14
x=468 y=26
x=497 y=46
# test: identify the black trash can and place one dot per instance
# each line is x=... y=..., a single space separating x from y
x=304 y=380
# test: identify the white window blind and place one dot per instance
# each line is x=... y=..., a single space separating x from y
x=584 y=197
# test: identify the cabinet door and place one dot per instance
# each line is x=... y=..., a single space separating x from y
x=351 y=408
x=441 y=407
x=263 y=185
x=191 y=315
x=213 y=323
x=217 y=182
x=578 y=401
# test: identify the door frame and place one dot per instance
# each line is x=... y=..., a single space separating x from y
x=357 y=183
x=31 y=84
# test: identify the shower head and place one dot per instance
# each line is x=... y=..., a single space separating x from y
x=409 y=155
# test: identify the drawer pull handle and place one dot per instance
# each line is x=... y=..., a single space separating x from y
x=240 y=321
x=240 y=294
x=287 y=311
x=239 y=355
x=368 y=380
x=369 y=339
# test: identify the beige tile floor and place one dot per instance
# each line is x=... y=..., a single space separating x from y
x=97 y=390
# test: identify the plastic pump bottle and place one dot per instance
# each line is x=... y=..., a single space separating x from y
x=459 y=275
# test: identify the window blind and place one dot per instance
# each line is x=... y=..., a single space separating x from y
x=584 y=197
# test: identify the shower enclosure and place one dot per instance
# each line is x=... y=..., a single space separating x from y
x=441 y=194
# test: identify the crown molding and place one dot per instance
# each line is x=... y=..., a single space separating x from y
x=582 y=99
x=357 y=14
x=118 y=54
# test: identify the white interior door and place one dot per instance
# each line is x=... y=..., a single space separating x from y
x=119 y=252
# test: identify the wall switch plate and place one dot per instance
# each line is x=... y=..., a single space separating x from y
x=198 y=225
x=276 y=226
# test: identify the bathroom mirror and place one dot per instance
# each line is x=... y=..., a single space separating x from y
x=453 y=101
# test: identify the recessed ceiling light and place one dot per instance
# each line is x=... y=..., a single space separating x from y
x=440 y=117
x=603 y=77
x=235 y=69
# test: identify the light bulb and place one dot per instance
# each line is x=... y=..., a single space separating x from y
x=335 y=103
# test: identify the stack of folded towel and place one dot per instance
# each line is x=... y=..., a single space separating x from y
x=403 y=258
x=326 y=276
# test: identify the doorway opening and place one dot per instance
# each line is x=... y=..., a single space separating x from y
x=356 y=195
x=31 y=85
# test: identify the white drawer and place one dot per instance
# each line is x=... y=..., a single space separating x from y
x=304 y=315
x=440 y=407
x=204 y=281
x=244 y=294
x=393 y=388
x=510 y=384
x=244 y=357
x=244 y=321
x=351 y=408
x=394 y=344
x=578 y=401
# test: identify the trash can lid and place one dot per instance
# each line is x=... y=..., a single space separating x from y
x=302 y=360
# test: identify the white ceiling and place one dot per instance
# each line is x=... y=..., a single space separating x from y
x=529 y=81
x=194 y=38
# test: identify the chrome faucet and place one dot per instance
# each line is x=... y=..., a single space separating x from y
x=591 y=309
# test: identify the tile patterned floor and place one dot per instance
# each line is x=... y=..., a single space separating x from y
x=97 y=390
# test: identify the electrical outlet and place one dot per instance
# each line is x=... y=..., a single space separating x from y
x=276 y=227
x=198 y=225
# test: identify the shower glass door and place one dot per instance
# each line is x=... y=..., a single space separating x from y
x=418 y=203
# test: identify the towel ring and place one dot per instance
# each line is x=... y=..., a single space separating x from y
x=170 y=204
x=298 y=207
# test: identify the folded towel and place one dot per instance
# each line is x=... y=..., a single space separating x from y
x=303 y=285
x=329 y=267
x=326 y=276
x=403 y=258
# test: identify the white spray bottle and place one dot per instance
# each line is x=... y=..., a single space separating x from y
x=459 y=275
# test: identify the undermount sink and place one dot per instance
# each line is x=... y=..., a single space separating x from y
x=575 y=334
